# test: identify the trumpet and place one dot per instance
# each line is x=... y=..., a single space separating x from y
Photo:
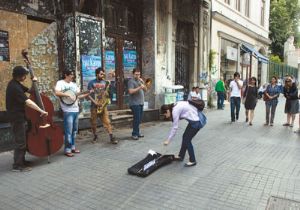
x=147 y=83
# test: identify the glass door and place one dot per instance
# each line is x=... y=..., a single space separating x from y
x=121 y=57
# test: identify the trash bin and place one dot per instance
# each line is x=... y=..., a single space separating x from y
x=173 y=93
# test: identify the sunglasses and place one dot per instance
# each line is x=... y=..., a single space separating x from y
x=288 y=80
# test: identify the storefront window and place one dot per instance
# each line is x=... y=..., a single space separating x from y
x=229 y=58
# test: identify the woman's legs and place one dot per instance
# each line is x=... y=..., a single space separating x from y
x=247 y=115
x=251 y=116
x=186 y=144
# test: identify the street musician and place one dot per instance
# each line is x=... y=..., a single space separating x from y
x=136 y=88
x=99 y=101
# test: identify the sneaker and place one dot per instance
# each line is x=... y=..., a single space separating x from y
x=271 y=124
x=141 y=135
x=94 y=139
x=114 y=140
x=135 y=137
x=21 y=169
x=286 y=124
x=266 y=124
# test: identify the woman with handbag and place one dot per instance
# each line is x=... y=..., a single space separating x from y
x=271 y=100
x=191 y=111
x=291 y=108
x=250 y=99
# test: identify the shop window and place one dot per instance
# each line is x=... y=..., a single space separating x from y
x=229 y=56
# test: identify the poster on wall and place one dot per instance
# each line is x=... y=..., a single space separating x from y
x=129 y=62
x=110 y=65
x=4 y=46
x=88 y=65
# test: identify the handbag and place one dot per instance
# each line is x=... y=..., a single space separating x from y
x=244 y=98
x=265 y=97
x=201 y=123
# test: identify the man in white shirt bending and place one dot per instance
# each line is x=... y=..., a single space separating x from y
x=235 y=96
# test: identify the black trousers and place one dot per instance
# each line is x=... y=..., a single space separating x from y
x=19 y=133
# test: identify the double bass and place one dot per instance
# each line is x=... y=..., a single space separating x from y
x=44 y=137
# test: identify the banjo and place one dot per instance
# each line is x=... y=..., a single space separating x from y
x=69 y=101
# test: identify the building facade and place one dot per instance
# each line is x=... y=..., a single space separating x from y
x=240 y=30
x=168 y=40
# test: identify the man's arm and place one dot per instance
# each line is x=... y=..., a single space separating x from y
x=34 y=106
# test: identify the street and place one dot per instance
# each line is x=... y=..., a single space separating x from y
x=238 y=167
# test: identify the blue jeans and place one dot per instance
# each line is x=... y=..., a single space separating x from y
x=70 y=128
x=137 y=111
x=235 y=105
x=221 y=97
x=186 y=144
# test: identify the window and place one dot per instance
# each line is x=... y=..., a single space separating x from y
x=227 y=1
x=238 y=5
x=247 y=8
x=262 y=12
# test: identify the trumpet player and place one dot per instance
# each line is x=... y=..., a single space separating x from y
x=136 y=88
x=99 y=100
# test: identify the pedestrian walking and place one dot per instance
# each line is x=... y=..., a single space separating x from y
x=136 y=88
x=250 y=98
x=188 y=110
x=290 y=92
x=270 y=96
x=235 y=96
x=220 y=89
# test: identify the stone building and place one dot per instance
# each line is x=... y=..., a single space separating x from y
x=240 y=31
x=168 y=40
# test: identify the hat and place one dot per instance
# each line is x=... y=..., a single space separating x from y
x=19 y=71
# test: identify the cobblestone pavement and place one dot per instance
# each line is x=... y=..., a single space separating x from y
x=239 y=167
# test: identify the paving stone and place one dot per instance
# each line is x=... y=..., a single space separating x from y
x=239 y=167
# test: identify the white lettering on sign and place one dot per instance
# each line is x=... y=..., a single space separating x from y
x=148 y=165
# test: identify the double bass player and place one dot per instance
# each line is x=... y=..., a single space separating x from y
x=16 y=100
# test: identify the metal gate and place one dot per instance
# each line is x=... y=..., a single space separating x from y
x=182 y=55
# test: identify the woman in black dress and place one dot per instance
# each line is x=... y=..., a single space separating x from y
x=250 y=99
x=291 y=108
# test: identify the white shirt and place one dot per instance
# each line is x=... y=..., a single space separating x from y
x=62 y=86
x=235 y=91
x=195 y=95
x=182 y=110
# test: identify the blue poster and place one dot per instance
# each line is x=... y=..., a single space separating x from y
x=110 y=65
x=88 y=65
x=129 y=62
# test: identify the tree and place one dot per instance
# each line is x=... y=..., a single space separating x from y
x=284 y=16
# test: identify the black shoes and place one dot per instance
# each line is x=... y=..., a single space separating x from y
x=94 y=139
x=189 y=164
x=113 y=140
x=21 y=168
x=135 y=137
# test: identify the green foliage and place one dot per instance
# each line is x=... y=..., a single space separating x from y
x=275 y=59
x=211 y=58
x=284 y=16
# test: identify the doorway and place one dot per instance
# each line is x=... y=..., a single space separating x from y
x=182 y=55
x=121 y=57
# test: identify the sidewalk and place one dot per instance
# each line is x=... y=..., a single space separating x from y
x=239 y=167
